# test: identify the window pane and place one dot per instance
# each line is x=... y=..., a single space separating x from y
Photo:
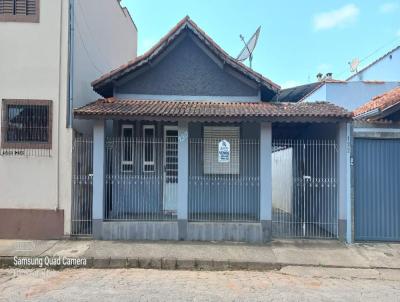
x=27 y=123
x=148 y=144
x=127 y=134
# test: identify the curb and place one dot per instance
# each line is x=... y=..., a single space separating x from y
x=172 y=264
x=150 y=263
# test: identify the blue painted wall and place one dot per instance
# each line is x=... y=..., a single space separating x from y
x=187 y=70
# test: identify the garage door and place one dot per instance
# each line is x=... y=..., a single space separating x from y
x=377 y=189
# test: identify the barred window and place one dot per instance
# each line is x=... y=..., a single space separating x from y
x=26 y=124
x=148 y=148
x=127 y=148
x=19 y=10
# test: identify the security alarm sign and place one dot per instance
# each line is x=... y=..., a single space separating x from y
x=224 y=151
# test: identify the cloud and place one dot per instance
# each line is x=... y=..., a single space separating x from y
x=388 y=7
x=290 y=83
x=336 y=18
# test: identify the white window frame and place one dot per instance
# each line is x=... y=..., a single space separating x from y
x=126 y=163
x=148 y=163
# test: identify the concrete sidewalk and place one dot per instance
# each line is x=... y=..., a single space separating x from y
x=206 y=256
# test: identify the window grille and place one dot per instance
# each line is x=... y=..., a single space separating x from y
x=148 y=148
x=127 y=148
x=26 y=128
x=19 y=10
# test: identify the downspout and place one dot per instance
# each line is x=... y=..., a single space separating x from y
x=59 y=103
x=71 y=27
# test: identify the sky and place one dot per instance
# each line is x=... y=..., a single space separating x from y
x=298 y=39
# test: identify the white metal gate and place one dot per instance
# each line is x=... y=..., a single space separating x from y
x=304 y=193
x=82 y=186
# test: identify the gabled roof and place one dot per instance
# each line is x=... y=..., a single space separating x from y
x=379 y=106
x=152 y=109
x=374 y=62
x=185 y=23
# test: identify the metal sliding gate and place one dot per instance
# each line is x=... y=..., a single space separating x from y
x=376 y=189
x=82 y=186
x=304 y=191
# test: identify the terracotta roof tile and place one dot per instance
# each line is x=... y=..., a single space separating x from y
x=165 y=41
x=380 y=102
x=154 y=108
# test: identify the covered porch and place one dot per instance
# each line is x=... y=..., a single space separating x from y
x=205 y=170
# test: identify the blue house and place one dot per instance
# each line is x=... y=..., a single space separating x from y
x=189 y=144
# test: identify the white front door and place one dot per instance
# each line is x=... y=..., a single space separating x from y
x=170 y=168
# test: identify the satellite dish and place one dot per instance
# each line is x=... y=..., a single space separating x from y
x=247 y=51
x=354 y=64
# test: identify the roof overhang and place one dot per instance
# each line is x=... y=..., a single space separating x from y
x=212 y=111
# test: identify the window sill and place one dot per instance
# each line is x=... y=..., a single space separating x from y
x=21 y=19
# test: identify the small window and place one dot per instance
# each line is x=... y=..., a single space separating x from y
x=26 y=124
x=127 y=148
x=19 y=10
x=148 y=148
x=221 y=150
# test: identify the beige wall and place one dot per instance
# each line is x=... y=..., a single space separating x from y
x=104 y=38
x=33 y=65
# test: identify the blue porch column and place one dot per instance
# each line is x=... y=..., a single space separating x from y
x=98 y=178
x=344 y=183
x=183 y=178
x=266 y=180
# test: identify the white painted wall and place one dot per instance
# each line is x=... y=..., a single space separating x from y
x=350 y=95
x=33 y=65
x=105 y=37
x=386 y=69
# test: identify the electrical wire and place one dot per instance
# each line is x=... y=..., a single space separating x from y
x=373 y=53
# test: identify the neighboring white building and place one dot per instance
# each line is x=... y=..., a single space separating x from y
x=349 y=95
x=386 y=68
x=37 y=97
x=375 y=79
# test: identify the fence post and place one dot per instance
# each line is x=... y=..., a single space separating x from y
x=266 y=180
x=183 y=178
x=98 y=178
